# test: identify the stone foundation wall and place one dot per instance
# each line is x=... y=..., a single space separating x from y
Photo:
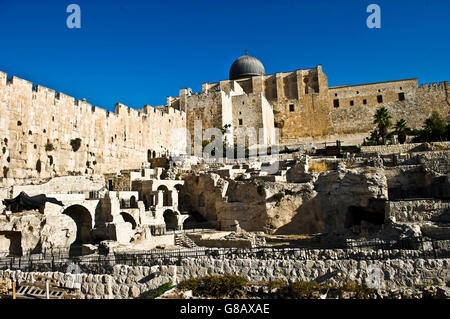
x=401 y=268
x=413 y=211
x=403 y=148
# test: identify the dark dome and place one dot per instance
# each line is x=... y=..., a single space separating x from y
x=246 y=66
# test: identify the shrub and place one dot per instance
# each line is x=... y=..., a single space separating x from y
x=361 y=290
x=307 y=290
x=215 y=286
x=76 y=144
x=435 y=129
x=275 y=284
x=300 y=290
x=160 y=290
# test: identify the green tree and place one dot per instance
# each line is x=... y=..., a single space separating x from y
x=401 y=130
x=435 y=129
x=374 y=139
x=383 y=120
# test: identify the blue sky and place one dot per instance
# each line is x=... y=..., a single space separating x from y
x=138 y=52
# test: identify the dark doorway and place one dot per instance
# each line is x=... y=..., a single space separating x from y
x=170 y=218
x=83 y=220
x=358 y=214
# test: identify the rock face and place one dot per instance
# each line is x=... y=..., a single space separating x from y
x=31 y=231
x=324 y=202
x=342 y=199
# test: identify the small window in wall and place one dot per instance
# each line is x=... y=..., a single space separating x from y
x=240 y=121
x=401 y=96
x=364 y=101
x=335 y=94
x=380 y=98
x=352 y=103
x=291 y=108
x=336 y=103
x=357 y=92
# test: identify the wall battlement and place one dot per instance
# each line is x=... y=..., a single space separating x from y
x=434 y=85
x=16 y=82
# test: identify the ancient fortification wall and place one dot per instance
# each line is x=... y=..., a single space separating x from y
x=45 y=134
x=306 y=109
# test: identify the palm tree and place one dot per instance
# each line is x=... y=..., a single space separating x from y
x=383 y=119
x=401 y=129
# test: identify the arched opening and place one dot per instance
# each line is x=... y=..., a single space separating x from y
x=170 y=218
x=167 y=198
x=154 y=154
x=133 y=203
x=129 y=219
x=83 y=220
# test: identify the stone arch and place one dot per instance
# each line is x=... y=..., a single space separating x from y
x=171 y=219
x=167 y=198
x=129 y=219
x=83 y=220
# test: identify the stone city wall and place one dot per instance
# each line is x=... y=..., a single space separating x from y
x=45 y=134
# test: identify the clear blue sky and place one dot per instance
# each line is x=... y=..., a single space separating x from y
x=138 y=52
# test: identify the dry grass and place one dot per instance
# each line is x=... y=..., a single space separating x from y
x=290 y=236
x=370 y=169
x=318 y=167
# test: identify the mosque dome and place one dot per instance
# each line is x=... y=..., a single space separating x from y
x=246 y=66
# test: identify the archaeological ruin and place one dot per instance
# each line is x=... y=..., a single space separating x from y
x=115 y=204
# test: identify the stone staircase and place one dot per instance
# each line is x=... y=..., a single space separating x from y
x=182 y=240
